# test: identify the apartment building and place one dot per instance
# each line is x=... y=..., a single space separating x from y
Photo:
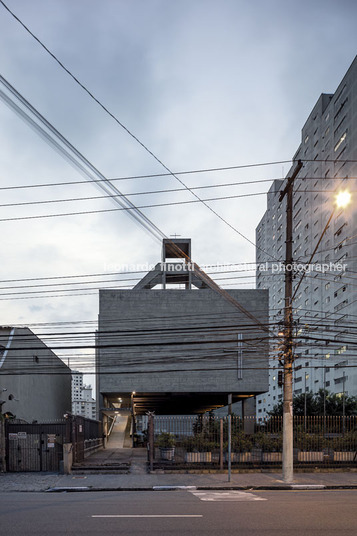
x=82 y=401
x=324 y=307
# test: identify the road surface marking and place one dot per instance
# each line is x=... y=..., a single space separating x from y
x=231 y=495
x=144 y=515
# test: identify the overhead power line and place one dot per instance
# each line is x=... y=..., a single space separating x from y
x=66 y=149
x=114 y=117
x=128 y=209
x=150 y=192
x=52 y=136
x=151 y=176
x=159 y=175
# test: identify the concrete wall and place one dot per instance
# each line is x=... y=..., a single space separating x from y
x=35 y=376
x=191 y=335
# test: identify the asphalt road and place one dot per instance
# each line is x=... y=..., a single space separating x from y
x=223 y=513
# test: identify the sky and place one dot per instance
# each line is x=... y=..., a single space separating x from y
x=202 y=84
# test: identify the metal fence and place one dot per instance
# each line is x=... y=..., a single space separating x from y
x=35 y=447
x=39 y=447
x=204 y=439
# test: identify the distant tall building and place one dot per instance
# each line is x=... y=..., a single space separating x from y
x=325 y=306
x=82 y=401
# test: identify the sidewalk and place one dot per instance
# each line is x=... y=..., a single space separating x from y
x=144 y=482
x=135 y=477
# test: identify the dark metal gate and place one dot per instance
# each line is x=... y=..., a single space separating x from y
x=35 y=447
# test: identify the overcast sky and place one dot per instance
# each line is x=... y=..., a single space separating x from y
x=201 y=83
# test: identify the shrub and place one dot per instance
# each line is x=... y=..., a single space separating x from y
x=165 y=440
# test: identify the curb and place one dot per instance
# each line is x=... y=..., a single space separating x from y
x=279 y=487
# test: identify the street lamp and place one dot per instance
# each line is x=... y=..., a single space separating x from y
x=343 y=198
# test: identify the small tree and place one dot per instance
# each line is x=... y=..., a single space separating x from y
x=315 y=404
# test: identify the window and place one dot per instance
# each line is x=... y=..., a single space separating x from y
x=340 y=141
x=341 y=305
x=343 y=363
x=343 y=257
x=340 y=245
x=339 y=125
x=337 y=115
x=342 y=91
x=297 y=225
x=342 y=379
x=296 y=202
x=340 y=291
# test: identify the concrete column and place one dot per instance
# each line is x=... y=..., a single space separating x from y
x=105 y=430
x=67 y=458
x=249 y=414
x=2 y=443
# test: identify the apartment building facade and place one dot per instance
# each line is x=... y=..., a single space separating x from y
x=82 y=401
x=324 y=306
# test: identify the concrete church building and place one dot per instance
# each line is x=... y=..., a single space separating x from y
x=183 y=347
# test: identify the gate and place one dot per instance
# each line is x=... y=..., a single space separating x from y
x=35 y=447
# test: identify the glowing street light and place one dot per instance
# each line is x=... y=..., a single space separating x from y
x=343 y=198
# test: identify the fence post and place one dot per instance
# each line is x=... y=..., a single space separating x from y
x=229 y=436
x=151 y=440
x=74 y=438
x=229 y=446
x=2 y=444
x=221 y=444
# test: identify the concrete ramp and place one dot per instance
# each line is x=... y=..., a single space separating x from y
x=117 y=437
x=115 y=458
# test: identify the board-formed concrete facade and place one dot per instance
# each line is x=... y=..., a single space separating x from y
x=178 y=351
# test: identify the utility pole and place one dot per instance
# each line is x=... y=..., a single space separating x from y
x=229 y=419
x=344 y=405
x=2 y=439
x=288 y=471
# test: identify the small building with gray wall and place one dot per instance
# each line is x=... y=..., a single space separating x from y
x=35 y=384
